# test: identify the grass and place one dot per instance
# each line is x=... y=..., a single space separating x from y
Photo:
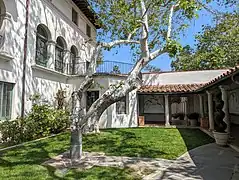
x=25 y=162
x=106 y=173
x=146 y=142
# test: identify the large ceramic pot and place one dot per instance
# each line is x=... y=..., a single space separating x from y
x=193 y=122
x=221 y=138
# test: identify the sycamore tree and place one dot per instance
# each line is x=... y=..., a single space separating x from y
x=217 y=47
x=150 y=28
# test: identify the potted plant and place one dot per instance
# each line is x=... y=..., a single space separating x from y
x=193 y=118
x=220 y=135
x=177 y=118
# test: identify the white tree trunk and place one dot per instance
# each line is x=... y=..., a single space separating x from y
x=76 y=144
x=117 y=91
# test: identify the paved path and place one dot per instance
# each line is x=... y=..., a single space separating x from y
x=208 y=162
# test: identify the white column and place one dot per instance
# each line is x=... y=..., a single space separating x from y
x=51 y=46
x=201 y=105
x=186 y=109
x=225 y=107
x=210 y=111
x=167 y=111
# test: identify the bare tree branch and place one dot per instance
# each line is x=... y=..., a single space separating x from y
x=145 y=30
x=132 y=33
x=170 y=20
x=118 y=42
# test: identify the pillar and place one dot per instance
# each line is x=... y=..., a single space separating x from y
x=51 y=54
x=167 y=110
x=185 y=108
x=210 y=111
x=201 y=105
x=225 y=107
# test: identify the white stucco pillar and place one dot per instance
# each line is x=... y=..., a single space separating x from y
x=66 y=61
x=210 y=111
x=167 y=110
x=225 y=107
x=201 y=105
x=51 y=54
x=185 y=109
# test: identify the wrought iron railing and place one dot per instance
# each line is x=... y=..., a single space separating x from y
x=114 y=67
x=108 y=67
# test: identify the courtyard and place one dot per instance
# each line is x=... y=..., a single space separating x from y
x=157 y=149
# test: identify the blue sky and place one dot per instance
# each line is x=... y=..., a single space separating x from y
x=163 y=61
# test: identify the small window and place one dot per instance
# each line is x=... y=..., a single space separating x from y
x=5 y=100
x=88 y=30
x=121 y=106
x=92 y=96
x=74 y=17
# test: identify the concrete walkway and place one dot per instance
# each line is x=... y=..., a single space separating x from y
x=208 y=162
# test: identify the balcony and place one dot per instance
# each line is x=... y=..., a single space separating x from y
x=105 y=67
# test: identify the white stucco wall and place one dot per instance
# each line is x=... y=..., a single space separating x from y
x=110 y=119
x=187 y=77
x=234 y=105
x=56 y=16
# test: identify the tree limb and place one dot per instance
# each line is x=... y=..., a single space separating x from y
x=170 y=20
x=145 y=29
x=118 y=42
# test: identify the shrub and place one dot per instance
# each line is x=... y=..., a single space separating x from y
x=40 y=122
x=178 y=115
x=194 y=115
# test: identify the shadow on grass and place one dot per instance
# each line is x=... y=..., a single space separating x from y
x=106 y=173
x=121 y=142
x=194 y=138
x=25 y=162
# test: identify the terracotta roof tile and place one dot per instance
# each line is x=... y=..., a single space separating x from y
x=226 y=74
x=170 y=88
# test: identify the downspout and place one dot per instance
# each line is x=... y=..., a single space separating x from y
x=25 y=59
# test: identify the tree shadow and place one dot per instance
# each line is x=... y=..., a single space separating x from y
x=26 y=160
x=204 y=160
x=121 y=143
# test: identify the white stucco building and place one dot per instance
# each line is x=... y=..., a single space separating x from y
x=57 y=30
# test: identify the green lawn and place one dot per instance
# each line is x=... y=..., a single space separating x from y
x=25 y=162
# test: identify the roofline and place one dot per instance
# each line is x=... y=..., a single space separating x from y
x=216 y=81
x=87 y=10
x=160 y=72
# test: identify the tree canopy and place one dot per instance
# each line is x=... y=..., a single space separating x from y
x=217 y=47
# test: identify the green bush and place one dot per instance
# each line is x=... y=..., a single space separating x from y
x=40 y=122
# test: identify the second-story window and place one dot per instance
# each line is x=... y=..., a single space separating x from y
x=59 y=59
x=73 y=60
x=88 y=30
x=74 y=17
x=41 y=46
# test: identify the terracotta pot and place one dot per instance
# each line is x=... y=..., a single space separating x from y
x=193 y=122
x=204 y=122
x=141 y=120
x=221 y=138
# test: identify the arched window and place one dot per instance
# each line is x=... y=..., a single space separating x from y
x=2 y=12
x=59 y=61
x=41 y=46
x=73 y=60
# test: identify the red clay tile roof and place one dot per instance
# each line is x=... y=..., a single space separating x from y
x=170 y=88
x=184 y=88
x=224 y=75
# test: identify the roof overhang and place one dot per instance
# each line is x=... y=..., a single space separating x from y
x=85 y=7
